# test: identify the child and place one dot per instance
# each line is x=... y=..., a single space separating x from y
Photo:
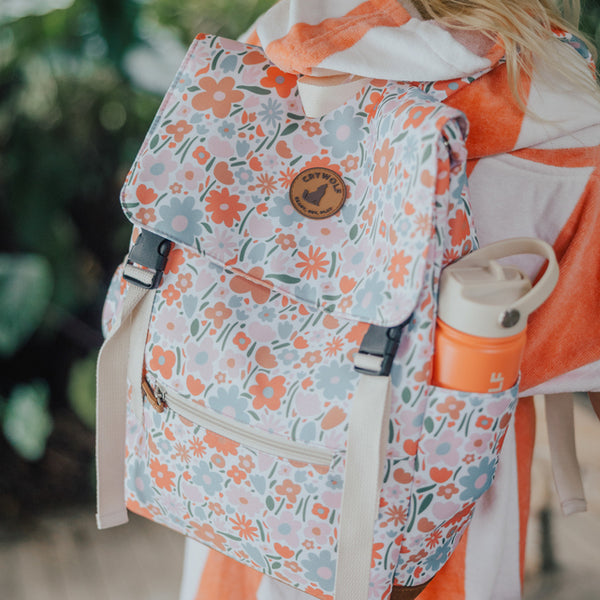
x=534 y=170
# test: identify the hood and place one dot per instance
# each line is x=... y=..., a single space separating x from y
x=388 y=39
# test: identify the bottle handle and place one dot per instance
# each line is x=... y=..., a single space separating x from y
x=511 y=247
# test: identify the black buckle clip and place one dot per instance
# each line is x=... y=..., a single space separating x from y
x=381 y=342
x=149 y=258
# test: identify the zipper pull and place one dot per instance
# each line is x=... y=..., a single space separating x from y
x=156 y=399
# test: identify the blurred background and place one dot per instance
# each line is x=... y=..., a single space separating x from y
x=80 y=81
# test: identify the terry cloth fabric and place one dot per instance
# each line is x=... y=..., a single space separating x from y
x=529 y=176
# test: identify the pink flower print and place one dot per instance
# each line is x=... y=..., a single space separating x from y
x=221 y=244
x=243 y=497
x=184 y=282
x=158 y=168
x=171 y=325
x=479 y=442
x=319 y=531
x=246 y=463
x=284 y=528
x=447 y=491
x=286 y=241
x=443 y=449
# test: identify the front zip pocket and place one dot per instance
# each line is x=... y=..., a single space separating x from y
x=246 y=435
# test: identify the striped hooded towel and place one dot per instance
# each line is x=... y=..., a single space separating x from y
x=531 y=174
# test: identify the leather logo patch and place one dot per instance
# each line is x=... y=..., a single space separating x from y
x=318 y=193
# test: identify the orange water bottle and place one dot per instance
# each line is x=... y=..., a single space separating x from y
x=482 y=316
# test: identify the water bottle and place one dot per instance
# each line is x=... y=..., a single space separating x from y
x=482 y=316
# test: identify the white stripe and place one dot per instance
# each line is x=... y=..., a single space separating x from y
x=194 y=561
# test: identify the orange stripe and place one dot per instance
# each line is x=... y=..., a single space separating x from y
x=525 y=437
x=449 y=583
x=562 y=335
x=496 y=129
x=253 y=39
x=226 y=579
x=306 y=46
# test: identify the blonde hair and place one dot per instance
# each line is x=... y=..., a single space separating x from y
x=525 y=29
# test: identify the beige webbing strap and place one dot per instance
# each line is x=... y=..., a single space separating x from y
x=565 y=467
x=367 y=442
x=111 y=402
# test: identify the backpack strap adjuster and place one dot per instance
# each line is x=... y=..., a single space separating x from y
x=377 y=350
x=147 y=260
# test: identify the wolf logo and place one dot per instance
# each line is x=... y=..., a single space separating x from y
x=316 y=196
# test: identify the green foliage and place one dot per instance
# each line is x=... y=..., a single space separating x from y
x=229 y=19
x=27 y=422
x=81 y=389
x=25 y=290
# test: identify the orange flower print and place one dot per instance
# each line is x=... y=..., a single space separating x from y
x=266 y=184
x=383 y=156
x=416 y=116
x=175 y=259
x=312 y=128
x=289 y=489
x=171 y=294
x=241 y=340
x=287 y=177
x=484 y=422
x=398 y=270
x=459 y=227
x=283 y=82
x=201 y=154
x=452 y=407
x=162 y=361
x=184 y=282
x=371 y=109
x=334 y=346
x=243 y=525
x=224 y=207
x=286 y=241
x=218 y=313
x=207 y=534
x=320 y=511
x=161 y=475
x=220 y=444
x=217 y=96
x=312 y=263
x=236 y=474
x=145 y=215
x=268 y=392
x=179 y=130
x=350 y=163
x=198 y=448
x=375 y=554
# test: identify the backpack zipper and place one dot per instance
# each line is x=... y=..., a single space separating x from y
x=246 y=435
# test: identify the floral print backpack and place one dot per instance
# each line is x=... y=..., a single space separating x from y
x=264 y=385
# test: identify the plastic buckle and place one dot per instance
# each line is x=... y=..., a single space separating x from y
x=380 y=342
x=147 y=260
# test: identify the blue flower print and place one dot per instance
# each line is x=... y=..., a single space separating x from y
x=139 y=482
x=244 y=176
x=320 y=568
x=180 y=220
x=370 y=295
x=336 y=380
x=478 y=480
x=437 y=559
x=199 y=120
x=271 y=112
x=266 y=314
x=281 y=208
x=334 y=482
x=229 y=63
x=212 y=483
x=345 y=132
x=227 y=129
x=228 y=402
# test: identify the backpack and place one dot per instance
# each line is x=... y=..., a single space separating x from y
x=264 y=383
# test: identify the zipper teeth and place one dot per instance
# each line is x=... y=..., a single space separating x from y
x=247 y=435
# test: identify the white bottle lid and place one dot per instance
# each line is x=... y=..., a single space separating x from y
x=481 y=297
